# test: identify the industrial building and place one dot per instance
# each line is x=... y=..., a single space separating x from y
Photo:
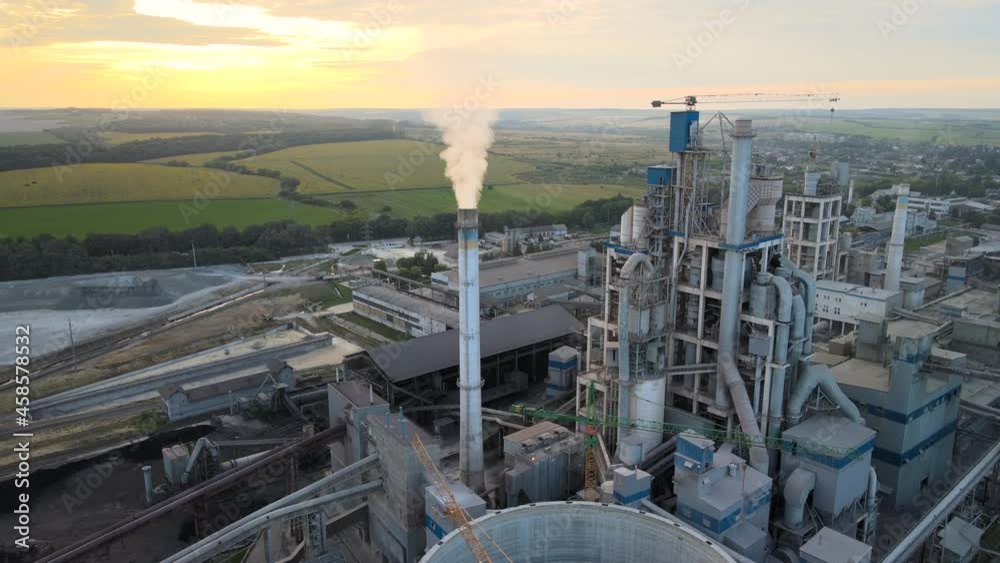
x=513 y=279
x=840 y=304
x=405 y=312
x=811 y=225
x=231 y=392
x=514 y=352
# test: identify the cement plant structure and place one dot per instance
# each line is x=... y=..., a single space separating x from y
x=707 y=326
x=707 y=426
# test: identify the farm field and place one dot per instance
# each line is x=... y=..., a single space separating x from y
x=117 y=137
x=127 y=218
x=916 y=131
x=27 y=138
x=106 y=183
x=540 y=197
x=612 y=147
x=372 y=165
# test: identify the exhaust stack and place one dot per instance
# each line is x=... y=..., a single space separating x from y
x=470 y=384
x=894 y=252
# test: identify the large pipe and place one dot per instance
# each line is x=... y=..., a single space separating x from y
x=894 y=251
x=797 y=488
x=193 y=460
x=744 y=410
x=223 y=480
x=732 y=277
x=624 y=370
x=808 y=291
x=798 y=332
x=248 y=526
x=819 y=375
x=871 y=503
x=470 y=453
x=781 y=334
x=637 y=399
x=657 y=452
x=925 y=527
x=147 y=479
x=298 y=495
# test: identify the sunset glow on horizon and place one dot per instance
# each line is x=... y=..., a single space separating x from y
x=552 y=53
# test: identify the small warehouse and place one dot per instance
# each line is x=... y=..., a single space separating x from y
x=225 y=392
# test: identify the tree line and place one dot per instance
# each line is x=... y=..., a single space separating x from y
x=155 y=248
x=87 y=146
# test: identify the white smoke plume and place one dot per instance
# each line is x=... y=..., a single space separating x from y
x=469 y=135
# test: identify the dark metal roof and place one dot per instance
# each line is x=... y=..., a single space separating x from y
x=405 y=360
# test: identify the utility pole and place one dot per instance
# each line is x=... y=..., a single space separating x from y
x=194 y=254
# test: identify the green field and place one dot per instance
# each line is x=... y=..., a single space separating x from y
x=116 y=137
x=106 y=183
x=372 y=165
x=31 y=138
x=534 y=197
x=79 y=220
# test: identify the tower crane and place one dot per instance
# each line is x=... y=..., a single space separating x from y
x=770 y=97
x=454 y=510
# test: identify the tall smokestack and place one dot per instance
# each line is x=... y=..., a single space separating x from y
x=470 y=456
x=894 y=252
x=736 y=217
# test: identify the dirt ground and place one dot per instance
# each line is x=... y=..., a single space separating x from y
x=252 y=317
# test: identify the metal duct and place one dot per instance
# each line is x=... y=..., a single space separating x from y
x=624 y=369
x=797 y=488
x=732 y=298
x=819 y=375
x=798 y=326
x=894 y=251
x=249 y=526
x=470 y=458
x=637 y=269
x=808 y=291
x=781 y=335
x=744 y=410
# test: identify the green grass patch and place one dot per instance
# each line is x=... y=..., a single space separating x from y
x=322 y=294
x=913 y=244
x=373 y=165
x=375 y=327
x=128 y=218
x=28 y=138
x=106 y=183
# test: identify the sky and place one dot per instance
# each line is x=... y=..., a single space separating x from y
x=317 y=54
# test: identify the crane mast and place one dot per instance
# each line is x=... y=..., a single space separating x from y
x=453 y=509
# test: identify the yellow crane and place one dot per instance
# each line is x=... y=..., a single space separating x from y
x=454 y=510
